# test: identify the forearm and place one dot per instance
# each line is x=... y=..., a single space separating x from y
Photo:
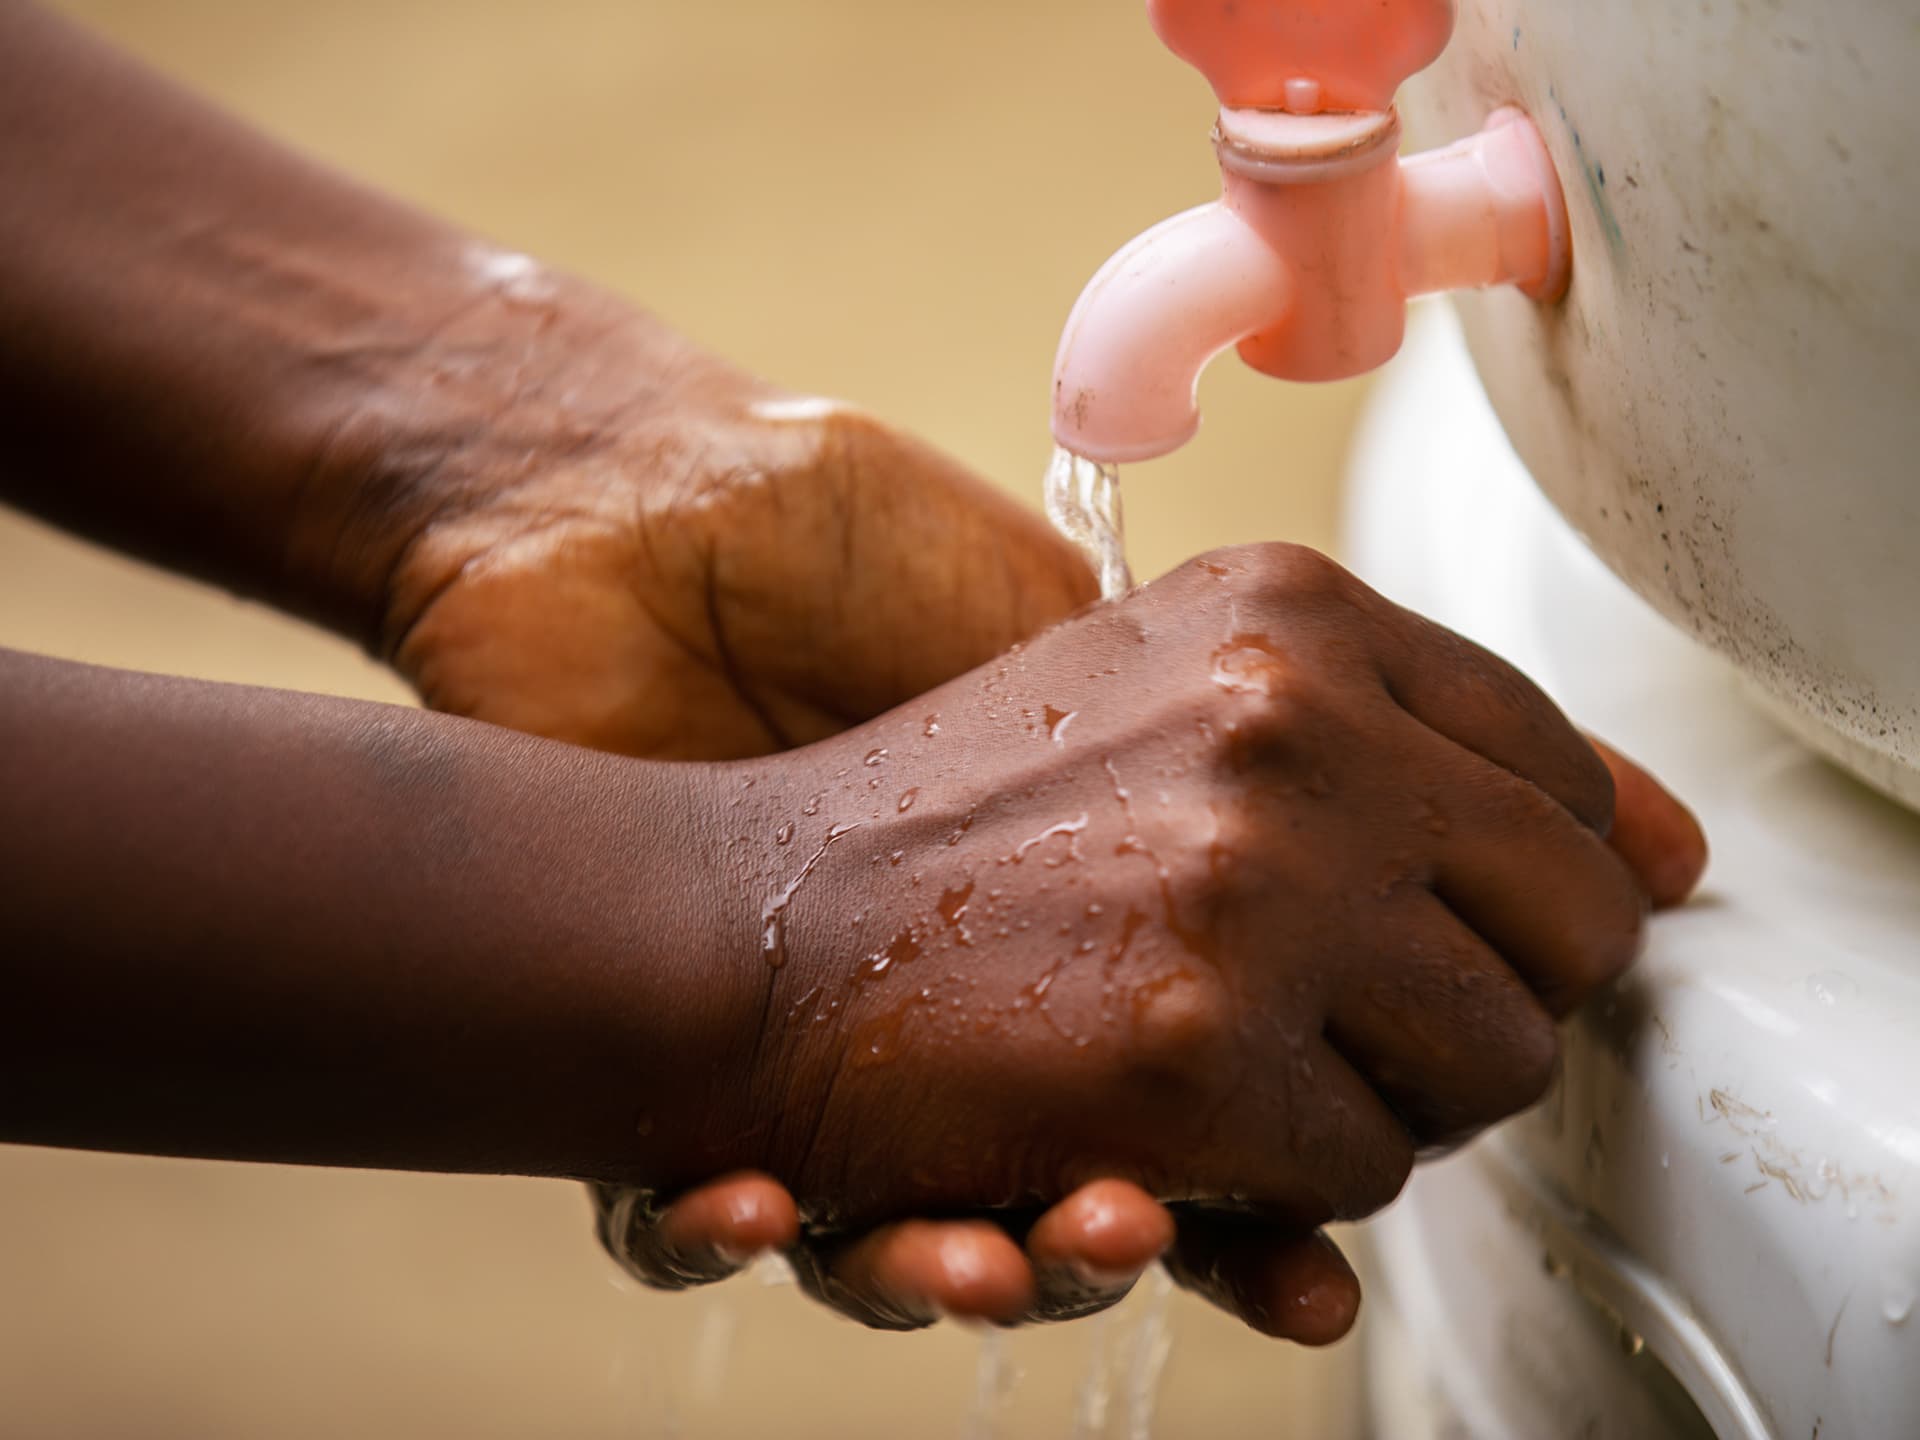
x=223 y=357
x=261 y=925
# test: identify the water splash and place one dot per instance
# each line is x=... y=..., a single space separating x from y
x=713 y=1346
x=993 y=1380
x=1093 y=1396
x=1152 y=1344
x=1083 y=502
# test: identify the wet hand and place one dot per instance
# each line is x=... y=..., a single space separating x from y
x=1326 y=922
x=646 y=551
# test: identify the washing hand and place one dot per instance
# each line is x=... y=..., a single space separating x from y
x=1290 y=882
x=713 y=570
x=1238 y=894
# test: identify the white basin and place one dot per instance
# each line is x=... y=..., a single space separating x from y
x=1727 y=405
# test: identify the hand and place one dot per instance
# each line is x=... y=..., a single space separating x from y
x=711 y=570
x=651 y=553
x=1240 y=892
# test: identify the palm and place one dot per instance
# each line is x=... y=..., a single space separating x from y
x=741 y=586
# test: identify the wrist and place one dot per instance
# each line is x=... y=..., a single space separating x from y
x=447 y=443
x=670 y=990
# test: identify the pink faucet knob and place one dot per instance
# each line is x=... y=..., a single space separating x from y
x=1305 y=54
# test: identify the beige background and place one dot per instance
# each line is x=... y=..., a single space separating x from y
x=891 y=201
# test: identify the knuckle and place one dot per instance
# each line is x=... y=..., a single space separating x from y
x=1608 y=945
x=1294 y=573
x=1531 y=1063
x=1180 y=1022
x=1272 y=706
x=1380 y=1172
x=1589 y=788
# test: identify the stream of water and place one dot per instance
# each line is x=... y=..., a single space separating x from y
x=1083 y=502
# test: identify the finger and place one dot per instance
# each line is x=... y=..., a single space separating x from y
x=1481 y=703
x=1443 y=1028
x=908 y=1275
x=1539 y=887
x=1345 y=1153
x=1654 y=833
x=1220 y=1095
x=706 y=1235
x=1286 y=1285
x=1088 y=1251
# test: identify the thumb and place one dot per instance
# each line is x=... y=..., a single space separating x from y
x=1654 y=833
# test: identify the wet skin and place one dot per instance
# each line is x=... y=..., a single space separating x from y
x=1325 y=871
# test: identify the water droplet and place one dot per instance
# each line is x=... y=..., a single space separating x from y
x=907 y=797
x=875 y=757
x=880 y=1042
x=953 y=909
x=1897 y=1303
x=1631 y=1342
x=1057 y=722
x=932 y=727
x=1250 y=664
x=1095 y=910
x=812 y=807
x=896 y=857
x=784 y=835
x=1072 y=829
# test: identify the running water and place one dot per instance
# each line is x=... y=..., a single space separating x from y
x=1083 y=502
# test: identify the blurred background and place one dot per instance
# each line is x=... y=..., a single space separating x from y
x=888 y=201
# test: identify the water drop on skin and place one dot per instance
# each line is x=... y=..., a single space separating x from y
x=875 y=757
x=907 y=798
x=932 y=727
x=784 y=835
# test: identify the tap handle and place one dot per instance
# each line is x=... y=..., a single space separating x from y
x=1305 y=55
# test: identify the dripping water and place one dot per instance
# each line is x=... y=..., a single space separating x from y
x=1083 y=502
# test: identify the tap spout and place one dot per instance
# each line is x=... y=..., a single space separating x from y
x=1129 y=365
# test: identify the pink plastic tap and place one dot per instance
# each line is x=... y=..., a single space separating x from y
x=1323 y=234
